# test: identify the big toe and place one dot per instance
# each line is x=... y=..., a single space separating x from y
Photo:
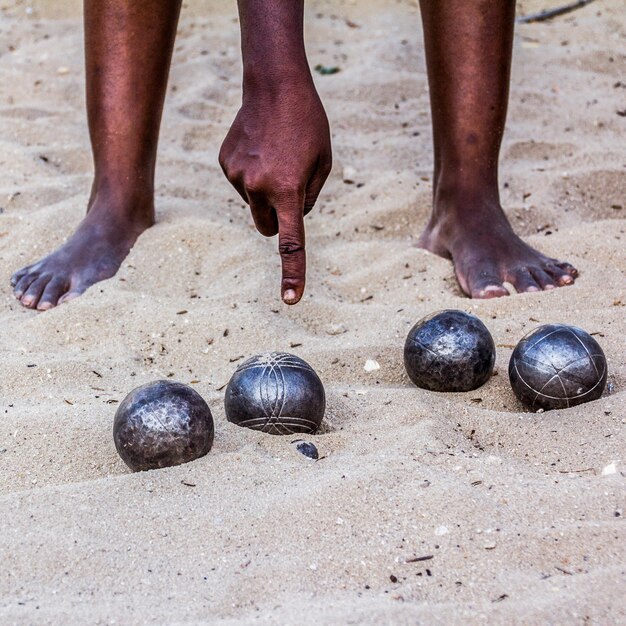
x=72 y=294
x=486 y=285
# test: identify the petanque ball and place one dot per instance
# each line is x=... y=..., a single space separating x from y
x=161 y=424
x=556 y=367
x=449 y=351
x=277 y=393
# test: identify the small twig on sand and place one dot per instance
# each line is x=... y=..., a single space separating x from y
x=418 y=559
x=547 y=14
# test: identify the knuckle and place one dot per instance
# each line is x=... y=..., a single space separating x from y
x=233 y=175
x=225 y=159
x=309 y=203
x=290 y=247
x=256 y=183
x=288 y=187
x=222 y=159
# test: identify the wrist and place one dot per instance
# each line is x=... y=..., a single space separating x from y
x=272 y=44
x=261 y=78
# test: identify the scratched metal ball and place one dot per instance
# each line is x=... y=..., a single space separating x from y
x=449 y=351
x=556 y=367
x=161 y=424
x=277 y=393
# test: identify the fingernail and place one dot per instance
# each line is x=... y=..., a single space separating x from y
x=289 y=295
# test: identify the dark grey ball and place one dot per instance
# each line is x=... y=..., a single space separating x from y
x=556 y=367
x=449 y=351
x=277 y=393
x=161 y=424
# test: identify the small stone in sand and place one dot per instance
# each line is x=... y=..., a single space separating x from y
x=307 y=449
x=371 y=365
x=349 y=175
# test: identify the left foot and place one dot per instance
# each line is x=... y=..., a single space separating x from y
x=93 y=253
x=479 y=240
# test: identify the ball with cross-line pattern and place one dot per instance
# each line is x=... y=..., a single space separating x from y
x=277 y=393
x=556 y=367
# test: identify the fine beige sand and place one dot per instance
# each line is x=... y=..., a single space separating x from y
x=520 y=514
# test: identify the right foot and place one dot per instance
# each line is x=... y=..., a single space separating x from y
x=93 y=253
x=477 y=237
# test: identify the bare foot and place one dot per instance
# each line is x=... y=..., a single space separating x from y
x=479 y=240
x=93 y=253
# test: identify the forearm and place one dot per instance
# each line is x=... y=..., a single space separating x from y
x=272 y=41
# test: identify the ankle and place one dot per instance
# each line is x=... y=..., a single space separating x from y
x=462 y=194
x=129 y=203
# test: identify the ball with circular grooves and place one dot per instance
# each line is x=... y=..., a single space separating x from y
x=556 y=367
x=449 y=351
x=161 y=424
x=277 y=393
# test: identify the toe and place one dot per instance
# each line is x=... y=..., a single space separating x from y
x=488 y=286
x=523 y=281
x=34 y=291
x=490 y=291
x=23 y=284
x=543 y=279
x=559 y=275
x=18 y=276
x=52 y=293
x=70 y=295
x=568 y=269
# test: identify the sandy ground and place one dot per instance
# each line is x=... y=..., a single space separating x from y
x=519 y=521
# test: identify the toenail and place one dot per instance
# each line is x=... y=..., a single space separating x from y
x=496 y=290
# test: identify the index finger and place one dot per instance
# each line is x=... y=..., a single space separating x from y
x=291 y=246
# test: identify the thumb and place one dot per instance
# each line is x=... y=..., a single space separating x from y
x=290 y=212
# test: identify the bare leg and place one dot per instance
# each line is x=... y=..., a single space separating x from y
x=468 y=53
x=128 y=50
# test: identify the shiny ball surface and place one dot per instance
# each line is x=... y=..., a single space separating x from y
x=556 y=367
x=277 y=393
x=161 y=424
x=449 y=351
